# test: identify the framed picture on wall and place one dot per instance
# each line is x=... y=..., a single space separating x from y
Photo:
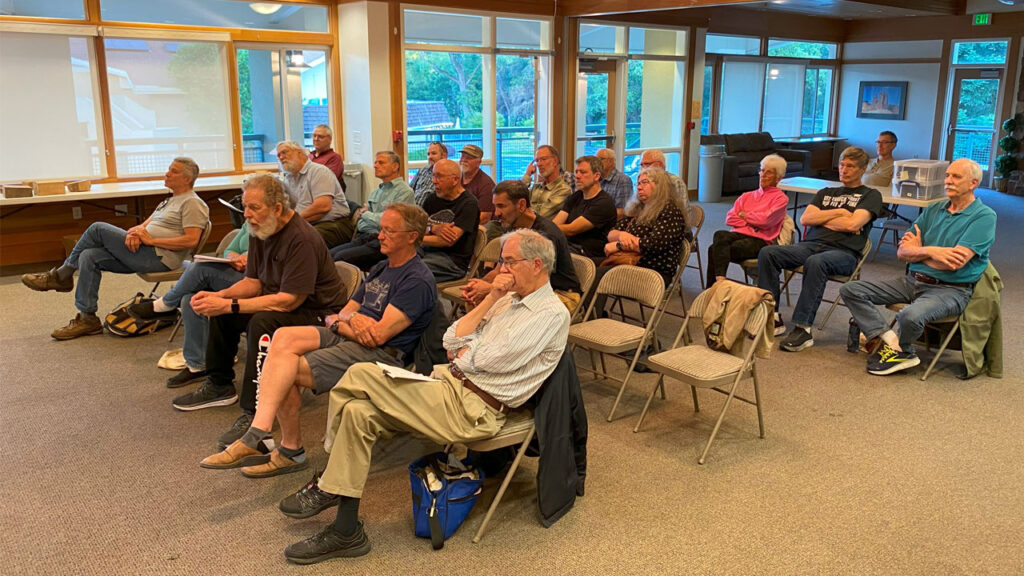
x=882 y=100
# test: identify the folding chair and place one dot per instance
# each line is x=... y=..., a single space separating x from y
x=695 y=218
x=855 y=275
x=785 y=238
x=676 y=283
x=701 y=367
x=950 y=323
x=172 y=275
x=518 y=429
x=221 y=248
x=351 y=277
x=893 y=224
x=585 y=272
x=479 y=243
x=607 y=336
x=452 y=291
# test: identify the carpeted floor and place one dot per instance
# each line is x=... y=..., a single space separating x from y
x=857 y=474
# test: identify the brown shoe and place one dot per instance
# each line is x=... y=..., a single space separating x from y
x=43 y=281
x=279 y=464
x=235 y=455
x=80 y=325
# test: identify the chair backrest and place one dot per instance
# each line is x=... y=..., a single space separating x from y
x=351 y=277
x=641 y=284
x=585 y=272
x=226 y=241
x=860 y=261
x=203 y=237
x=788 y=232
x=695 y=219
x=479 y=243
x=756 y=320
x=491 y=253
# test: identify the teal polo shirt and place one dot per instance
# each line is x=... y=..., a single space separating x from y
x=973 y=227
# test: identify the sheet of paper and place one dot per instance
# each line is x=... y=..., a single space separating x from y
x=230 y=205
x=204 y=258
x=402 y=374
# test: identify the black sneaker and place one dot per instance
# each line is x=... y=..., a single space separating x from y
x=185 y=377
x=780 y=327
x=887 y=360
x=797 y=340
x=242 y=423
x=144 y=311
x=208 y=395
x=329 y=543
x=309 y=501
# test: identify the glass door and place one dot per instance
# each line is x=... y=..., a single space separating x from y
x=972 y=126
x=595 y=106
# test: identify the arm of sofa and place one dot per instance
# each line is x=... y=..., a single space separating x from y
x=795 y=155
x=730 y=174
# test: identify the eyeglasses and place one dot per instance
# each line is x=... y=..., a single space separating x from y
x=646 y=164
x=389 y=232
x=643 y=182
x=510 y=262
x=320 y=136
x=539 y=159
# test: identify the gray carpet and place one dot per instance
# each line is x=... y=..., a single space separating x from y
x=857 y=474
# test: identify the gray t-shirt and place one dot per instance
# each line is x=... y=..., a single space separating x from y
x=878 y=172
x=170 y=219
x=312 y=182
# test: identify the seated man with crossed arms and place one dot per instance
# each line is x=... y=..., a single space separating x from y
x=501 y=352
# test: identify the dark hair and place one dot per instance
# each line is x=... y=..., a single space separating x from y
x=514 y=189
x=889 y=134
x=596 y=166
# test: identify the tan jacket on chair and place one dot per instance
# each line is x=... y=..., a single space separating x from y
x=732 y=302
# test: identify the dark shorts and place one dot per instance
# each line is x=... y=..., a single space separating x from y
x=336 y=355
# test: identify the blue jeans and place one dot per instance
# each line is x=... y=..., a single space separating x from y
x=819 y=261
x=928 y=302
x=208 y=276
x=362 y=252
x=442 y=266
x=100 y=249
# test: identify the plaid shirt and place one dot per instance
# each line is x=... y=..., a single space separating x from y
x=619 y=187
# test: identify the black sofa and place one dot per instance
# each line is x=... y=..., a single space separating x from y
x=743 y=159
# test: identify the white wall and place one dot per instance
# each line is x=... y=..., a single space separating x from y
x=365 y=84
x=916 y=130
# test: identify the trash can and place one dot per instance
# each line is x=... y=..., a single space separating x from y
x=709 y=184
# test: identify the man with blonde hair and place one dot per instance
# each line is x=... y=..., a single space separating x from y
x=838 y=221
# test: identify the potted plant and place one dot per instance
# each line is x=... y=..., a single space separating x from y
x=1007 y=161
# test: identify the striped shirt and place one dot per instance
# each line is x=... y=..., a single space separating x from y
x=516 y=346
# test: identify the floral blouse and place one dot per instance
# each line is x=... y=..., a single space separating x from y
x=660 y=242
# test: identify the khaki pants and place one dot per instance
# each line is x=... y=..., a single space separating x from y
x=366 y=406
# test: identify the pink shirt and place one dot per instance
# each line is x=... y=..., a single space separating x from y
x=765 y=210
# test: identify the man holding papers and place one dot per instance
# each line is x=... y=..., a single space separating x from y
x=381 y=323
x=501 y=352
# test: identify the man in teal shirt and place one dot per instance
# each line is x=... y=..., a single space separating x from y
x=948 y=250
x=364 y=249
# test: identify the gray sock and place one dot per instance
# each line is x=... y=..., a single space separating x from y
x=64 y=272
x=298 y=455
x=253 y=436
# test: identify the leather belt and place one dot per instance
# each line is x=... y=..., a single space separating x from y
x=926 y=279
x=468 y=384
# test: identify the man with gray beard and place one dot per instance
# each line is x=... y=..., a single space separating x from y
x=290 y=280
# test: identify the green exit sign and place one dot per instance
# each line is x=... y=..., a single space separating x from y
x=982 y=19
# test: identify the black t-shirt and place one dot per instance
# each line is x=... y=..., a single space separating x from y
x=852 y=199
x=564 y=276
x=467 y=217
x=295 y=260
x=599 y=211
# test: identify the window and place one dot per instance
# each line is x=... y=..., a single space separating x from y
x=722 y=44
x=168 y=99
x=817 y=101
x=649 y=122
x=602 y=39
x=783 y=94
x=988 y=52
x=273 y=110
x=657 y=42
x=798 y=49
x=460 y=90
x=218 y=13
x=67 y=9
x=705 y=106
x=58 y=116
x=740 y=97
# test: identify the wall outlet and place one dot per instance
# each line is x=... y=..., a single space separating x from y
x=76 y=213
x=120 y=209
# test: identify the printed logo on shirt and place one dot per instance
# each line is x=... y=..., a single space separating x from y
x=376 y=294
x=848 y=201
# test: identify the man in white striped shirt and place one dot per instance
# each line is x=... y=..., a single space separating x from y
x=501 y=353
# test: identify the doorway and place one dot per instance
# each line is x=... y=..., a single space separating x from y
x=595 y=106
x=971 y=132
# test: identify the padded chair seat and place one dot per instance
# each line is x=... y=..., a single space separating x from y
x=697 y=361
x=168 y=276
x=517 y=425
x=607 y=335
x=453 y=293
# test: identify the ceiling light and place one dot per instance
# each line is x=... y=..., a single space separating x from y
x=265 y=8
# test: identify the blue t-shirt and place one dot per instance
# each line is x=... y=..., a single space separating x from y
x=410 y=288
x=973 y=227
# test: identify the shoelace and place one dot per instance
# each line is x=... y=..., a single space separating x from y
x=887 y=354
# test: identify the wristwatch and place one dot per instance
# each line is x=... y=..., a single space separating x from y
x=618 y=246
x=234 y=306
x=334 y=326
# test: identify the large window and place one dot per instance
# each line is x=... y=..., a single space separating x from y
x=66 y=9
x=168 y=99
x=49 y=129
x=220 y=13
x=477 y=79
x=282 y=95
x=786 y=91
